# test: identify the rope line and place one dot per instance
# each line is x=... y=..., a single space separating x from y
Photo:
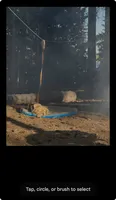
x=36 y=33
x=25 y=24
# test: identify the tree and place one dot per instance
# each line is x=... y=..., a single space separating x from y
x=92 y=38
x=103 y=47
x=65 y=63
x=106 y=47
x=91 y=47
x=67 y=58
x=103 y=52
x=22 y=51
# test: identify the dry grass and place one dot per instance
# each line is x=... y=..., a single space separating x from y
x=40 y=110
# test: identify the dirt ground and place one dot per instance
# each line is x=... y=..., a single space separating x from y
x=84 y=129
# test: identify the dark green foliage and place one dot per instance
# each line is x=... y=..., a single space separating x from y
x=66 y=64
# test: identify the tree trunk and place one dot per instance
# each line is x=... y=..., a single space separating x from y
x=12 y=63
x=91 y=46
x=106 y=47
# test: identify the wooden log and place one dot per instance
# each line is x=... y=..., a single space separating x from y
x=21 y=99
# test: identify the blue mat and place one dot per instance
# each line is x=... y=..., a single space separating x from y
x=68 y=114
x=60 y=115
x=29 y=114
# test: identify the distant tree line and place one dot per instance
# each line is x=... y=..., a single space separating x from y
x=70 y=65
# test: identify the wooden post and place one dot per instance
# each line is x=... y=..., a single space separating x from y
x=41 y=72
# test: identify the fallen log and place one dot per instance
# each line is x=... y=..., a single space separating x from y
x=21 y=99
x=47 y=96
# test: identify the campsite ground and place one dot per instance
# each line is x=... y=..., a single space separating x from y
x=84 y=129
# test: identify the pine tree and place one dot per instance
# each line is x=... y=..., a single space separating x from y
x=91 y=48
